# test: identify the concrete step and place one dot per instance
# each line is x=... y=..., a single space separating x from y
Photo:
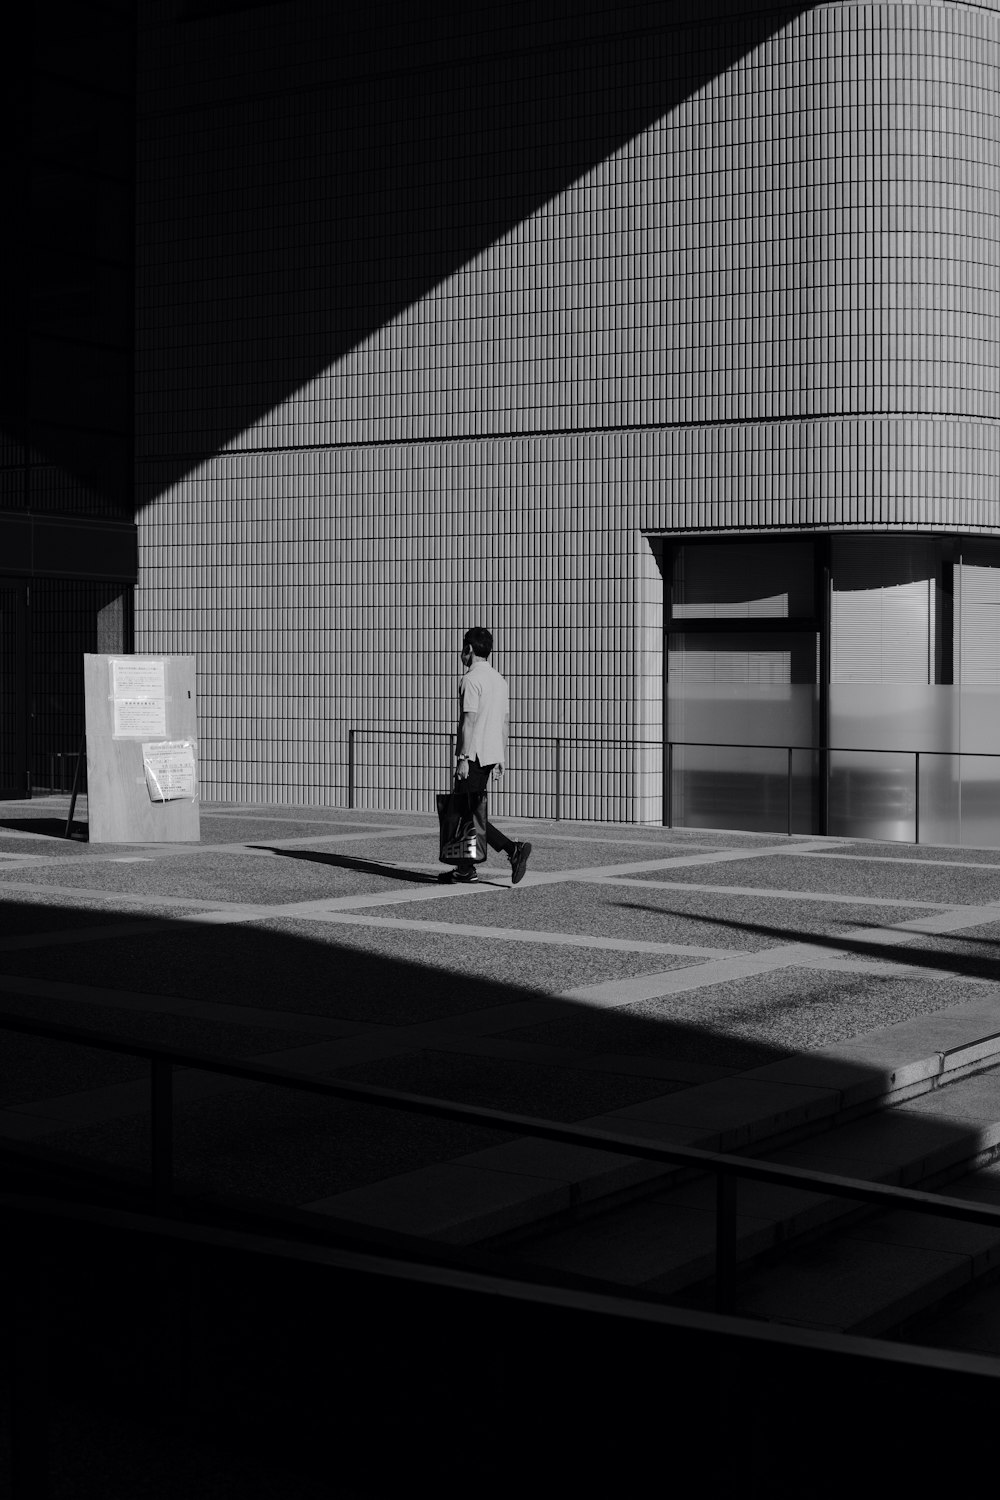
x=864 y=1276
x=525 y=1186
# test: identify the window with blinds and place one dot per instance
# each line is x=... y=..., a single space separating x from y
x=882 y=609
x=977 y=595
x=743 y=581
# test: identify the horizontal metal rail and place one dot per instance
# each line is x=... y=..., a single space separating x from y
x=825 y=751
x=558 y=742
x=727 y=1168
x=829 y=749
x=626 y=1304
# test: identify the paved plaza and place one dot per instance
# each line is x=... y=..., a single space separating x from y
x=690 y=987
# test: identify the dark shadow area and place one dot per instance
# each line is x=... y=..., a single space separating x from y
x=46 y=828
x=66 y=367
x=309 y=1368
x=302 y=216
x=345 y=862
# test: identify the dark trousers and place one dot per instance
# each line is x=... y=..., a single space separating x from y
x=476 y=783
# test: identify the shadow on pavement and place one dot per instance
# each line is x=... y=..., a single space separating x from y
x=314 y=1367
x=52 y=828
x=351 y=862
x=960 y=959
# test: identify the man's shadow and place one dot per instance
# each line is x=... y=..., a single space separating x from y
x=351 y=862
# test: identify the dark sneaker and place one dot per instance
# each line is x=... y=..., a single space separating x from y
x=460 y=877
x=518 y=862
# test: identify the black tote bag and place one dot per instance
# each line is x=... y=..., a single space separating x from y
x=463 y=827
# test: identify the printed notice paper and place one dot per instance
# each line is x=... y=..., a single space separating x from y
x=140 y=698
x=171 y=770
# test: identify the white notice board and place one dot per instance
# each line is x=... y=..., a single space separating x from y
x=142 y=749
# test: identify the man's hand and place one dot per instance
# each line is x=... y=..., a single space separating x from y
x=462 y=771
x=498 y=771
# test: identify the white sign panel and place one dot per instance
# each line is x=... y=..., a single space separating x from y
x=138 y=689
x=171 y=770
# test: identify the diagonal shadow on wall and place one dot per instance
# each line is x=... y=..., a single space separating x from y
x=302 y=209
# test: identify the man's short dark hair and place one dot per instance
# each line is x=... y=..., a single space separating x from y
x=480 y=639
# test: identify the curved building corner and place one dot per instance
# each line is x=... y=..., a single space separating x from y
x=665 y=345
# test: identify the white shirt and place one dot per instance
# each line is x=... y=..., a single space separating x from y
x=483 y=692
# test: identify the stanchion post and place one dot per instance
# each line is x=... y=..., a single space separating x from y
x=558 y=779
x=726 y=1187
x=80 y=762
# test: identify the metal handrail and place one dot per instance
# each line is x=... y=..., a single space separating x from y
x=727 y=1168
x=668 y=746
x=557 y=741
x=828 y=749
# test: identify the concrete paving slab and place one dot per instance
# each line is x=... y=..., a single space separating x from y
x=813 y=874
x=654 y=1132
x=452 y=1202
x=973 y=1325
x=912 y=1048
x=981 y=1186
x=213 y=876
x=592 y=1174
x=737 y=1110
x=861 y=1287
x=659 y=1245
x=976 y=1093
x=781 y=1018
x=895 y=1147
x=976 y=1241
x=854 y=1084
x=676 y=915
x=641 y=1067
x=540 y=1090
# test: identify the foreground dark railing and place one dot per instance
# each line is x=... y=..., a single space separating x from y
x=727 y=1169
x=723 y=1358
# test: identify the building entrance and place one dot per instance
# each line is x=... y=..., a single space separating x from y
x=836 y=684
x=743 y=686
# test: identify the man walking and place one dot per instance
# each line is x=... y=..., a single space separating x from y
x=481 y=745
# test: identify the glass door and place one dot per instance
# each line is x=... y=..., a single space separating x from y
x=743 y=687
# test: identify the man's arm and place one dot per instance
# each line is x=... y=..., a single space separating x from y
x=502 y=766
x=464 y=742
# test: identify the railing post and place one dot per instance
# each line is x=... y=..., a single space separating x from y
x=350 y=768
x=668 y=787
x=726 y=1187
x=558 y=779
x=77 y=769
x=916 y=797
x=161 y=1130
x=788 y=796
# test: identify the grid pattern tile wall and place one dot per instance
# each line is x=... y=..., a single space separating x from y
x=437 y=320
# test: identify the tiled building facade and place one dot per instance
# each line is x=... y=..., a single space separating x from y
x=663 y=339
